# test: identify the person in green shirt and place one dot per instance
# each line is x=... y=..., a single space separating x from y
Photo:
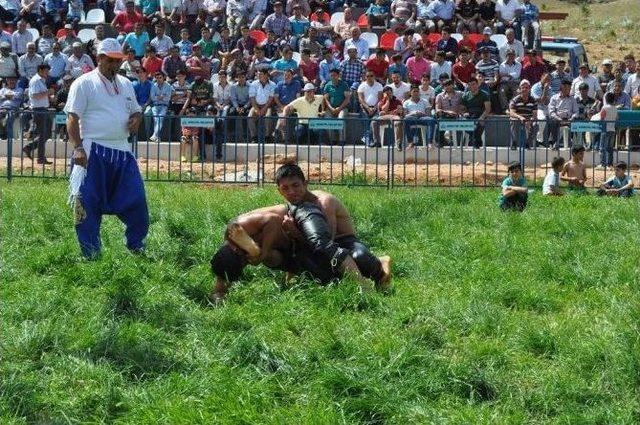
x=514 y=189
x=207 y=44
x=475 y=105
x=337 y=96
x=200 y=95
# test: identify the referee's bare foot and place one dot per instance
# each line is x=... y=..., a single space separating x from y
x=385 y=284
x=241 y=238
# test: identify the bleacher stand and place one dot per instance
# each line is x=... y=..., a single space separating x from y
x=242 y=38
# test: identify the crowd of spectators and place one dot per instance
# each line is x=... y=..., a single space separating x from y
x=263 y=60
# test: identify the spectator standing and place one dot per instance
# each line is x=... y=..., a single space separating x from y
x=160 y=97
x=261 y=93
x=39 y=104
x=522 y=111
x=529 y=24
x=369 y=94
x=222 y=97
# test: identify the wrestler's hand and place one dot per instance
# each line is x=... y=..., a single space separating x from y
x=290 y=229
x=133 y=123
x=80 y=157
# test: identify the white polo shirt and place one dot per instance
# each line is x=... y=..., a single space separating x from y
x=260 y=92
x=103 y=111
x=371 y=93
x=508 y=10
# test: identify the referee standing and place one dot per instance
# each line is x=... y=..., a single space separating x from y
x=101 y=113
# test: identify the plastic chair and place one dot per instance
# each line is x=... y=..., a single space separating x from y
x=35 y=33
x=388 y=39
x=500 y=39
x=296 y=57
x=456 y=36
x=336 y=17
x=94 y=17
x=434 y=37
x=258 y=36
x=86 y=34
x=372 y=39
x=363 y=22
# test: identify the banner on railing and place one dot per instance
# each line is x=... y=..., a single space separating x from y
x=326 y=124
x=203 y=122
x=457 y=125
x=60 y=119
x=586 y=127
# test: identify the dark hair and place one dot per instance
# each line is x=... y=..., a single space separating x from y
x=576 y=149
x=514 y=165
x=306 y=52
x=334 y=70
x=396 y=56
x=558 y=161
x=289 y=170
x=463 y=49
x=621 y=165
x=43 y=66
x=609 y=98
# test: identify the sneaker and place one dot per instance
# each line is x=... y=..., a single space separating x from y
x=153 y=139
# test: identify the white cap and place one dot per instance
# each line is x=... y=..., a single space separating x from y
x=607 y=62
x=487 y=30
x=309 y=87
x=525 y=82
x=110 y=47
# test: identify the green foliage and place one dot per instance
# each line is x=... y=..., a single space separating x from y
x=495 y=318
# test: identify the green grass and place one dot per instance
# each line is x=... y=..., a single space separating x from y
x=496 y=318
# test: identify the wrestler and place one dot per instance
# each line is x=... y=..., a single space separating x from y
x=256 y=237
x=325 y=226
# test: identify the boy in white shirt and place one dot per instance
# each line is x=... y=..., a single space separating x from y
x=609 y=115
x=551 y=185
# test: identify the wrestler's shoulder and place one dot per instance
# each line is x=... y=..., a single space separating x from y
x=323 y=196
x=279 y=209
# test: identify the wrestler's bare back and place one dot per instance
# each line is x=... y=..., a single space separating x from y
x=338 y=217
x=255 y=221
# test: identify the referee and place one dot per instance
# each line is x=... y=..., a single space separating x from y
x=101 y=113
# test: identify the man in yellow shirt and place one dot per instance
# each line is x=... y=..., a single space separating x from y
x=305 y=107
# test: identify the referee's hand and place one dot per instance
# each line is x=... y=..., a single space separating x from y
x=80 y=157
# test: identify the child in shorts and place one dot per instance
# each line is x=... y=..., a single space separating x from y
x=514 y=189
x=574 y=171
x=620 y=184
x=551 y=185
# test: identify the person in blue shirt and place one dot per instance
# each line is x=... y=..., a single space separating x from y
x=514 y=189
x=284 y=63
x=142 y=89
x=398 y=67
x=620 y=184
x=185 y=46
x=138 y=40
x=447 y=43
x=378 y=13
x=160 y=98
x=530 y=26
x=299 y=26
x=326 y=65
x=286 y=92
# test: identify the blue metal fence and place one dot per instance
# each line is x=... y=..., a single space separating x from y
x=232 y=149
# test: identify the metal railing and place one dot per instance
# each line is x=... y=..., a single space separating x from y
x=235 y=149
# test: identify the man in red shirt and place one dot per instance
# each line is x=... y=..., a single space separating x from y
x=463 y=70
x=390 y=112
x=151 y=62
x=125 y=21
x=379 y=66
x=466 y=41
x=533 y=70
x=309 y=68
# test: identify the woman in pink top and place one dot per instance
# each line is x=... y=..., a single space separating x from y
x=418 y=65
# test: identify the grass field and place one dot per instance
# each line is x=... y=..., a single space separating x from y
x=496 y=317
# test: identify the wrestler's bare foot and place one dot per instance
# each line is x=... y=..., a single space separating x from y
x=239 y=236
x=385 y=284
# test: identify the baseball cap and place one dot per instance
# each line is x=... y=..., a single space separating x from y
x=607 y=62
x=584 y=65
x=68 y=26
x=351 y=47
x=111 y=48
x=5 y=45
x=76 y=44
x=309 y=87
x=525 y=82
x=487 y=30
x=561 y=60
x=583 y=86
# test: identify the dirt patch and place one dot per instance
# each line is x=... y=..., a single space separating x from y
x=412 y=173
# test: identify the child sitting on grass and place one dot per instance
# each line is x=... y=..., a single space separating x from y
x=551 y=185
x=619 y=185
x=574 y=170
x=514 y=189
x=190 y=145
